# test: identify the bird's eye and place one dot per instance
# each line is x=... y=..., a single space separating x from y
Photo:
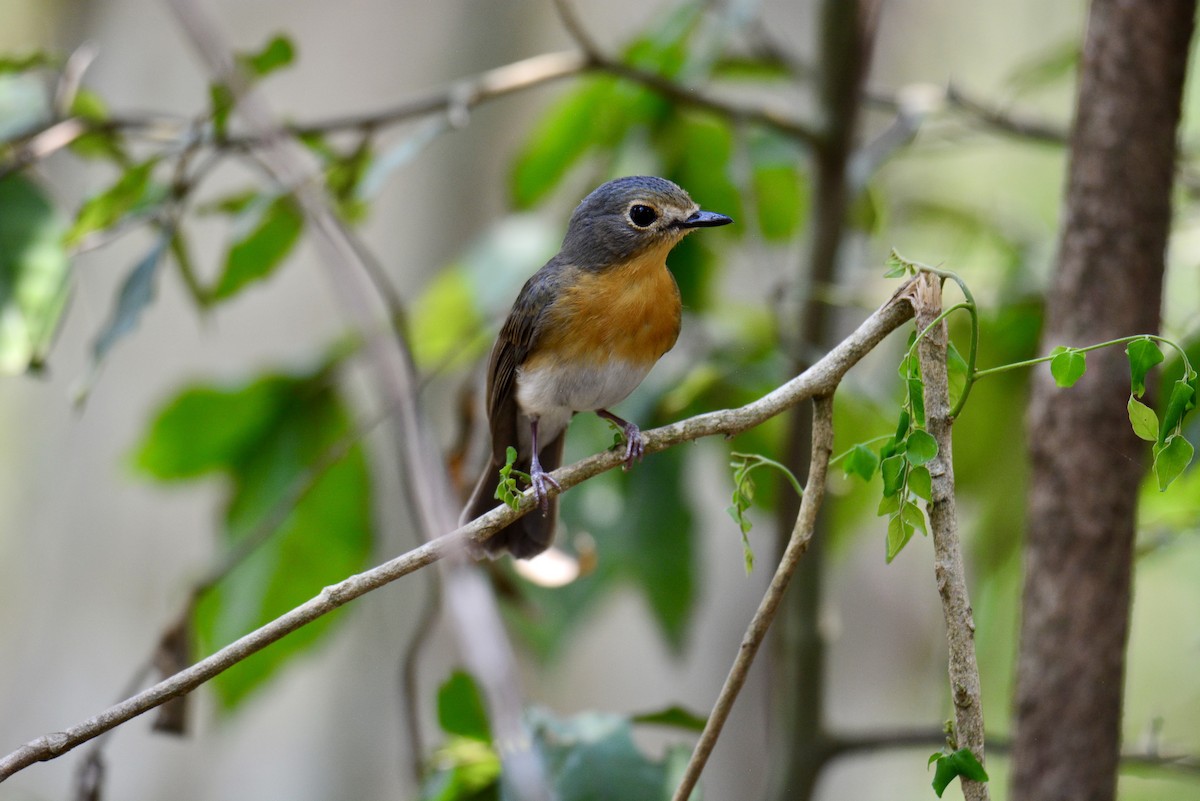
x=642 y=216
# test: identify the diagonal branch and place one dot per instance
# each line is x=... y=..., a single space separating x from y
x=802 y=532
x=817 y=381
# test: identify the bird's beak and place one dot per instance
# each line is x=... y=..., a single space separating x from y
x=705 y=219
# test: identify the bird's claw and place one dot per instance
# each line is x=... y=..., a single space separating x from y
x=635 y=445
x=538 y=480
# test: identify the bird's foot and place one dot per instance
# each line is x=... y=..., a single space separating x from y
x=541 y=481
x=635 y=444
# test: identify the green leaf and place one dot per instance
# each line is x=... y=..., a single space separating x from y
x=956 y=371
x=912 y=515
x=1171 y=458
x=861 y=461
x=896 y=266
x=899 y=533
x=1067 y=366
x=30 y=61
x=103 y=210
x=1143 y=356
x=922 y=447
x=460 y=708
x=221 y=101
x=256 y=255
x=444 y=317
x=920 y=483
x=34 y=274
x=466 y=770
x=277 y=53
x=950 y=766
x=892 y=469
x=1182 y=394
x=272 y=439
x=1143 y=419
x=592 y=757
x=135 y=295
x=916 y=400
x=888 y=505
x=780 y=191
x=674 y=716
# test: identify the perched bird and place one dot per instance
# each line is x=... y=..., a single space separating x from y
x=582 y=334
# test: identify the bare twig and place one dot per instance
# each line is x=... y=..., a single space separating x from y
x=814 y=493
x=818 y=380
x=948 y=561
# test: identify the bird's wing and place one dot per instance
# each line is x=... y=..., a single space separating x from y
x=518 y=339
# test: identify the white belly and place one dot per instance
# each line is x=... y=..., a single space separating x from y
x=553 y=394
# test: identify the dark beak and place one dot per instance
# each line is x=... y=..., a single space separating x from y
x=705 y=219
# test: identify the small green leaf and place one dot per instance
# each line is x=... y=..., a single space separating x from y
x=460 y=708
x=912 y=515
x=255 y=256
x=30 y=61
x=861 y=461
x=903 y=425
x=103 y=210
x=221 y=102
x=1180 y=401
x=922 y=447
x=892 y=469
x=1143 y=355
x=34 y=274
x=898 y=534
x=956 y=371
x=507 y=490
x=888 y=505
x=1143 y=419
x=136 y=294
x=277 y=53
x=916 y=400
x=675 y=716
x=950 y=766
x=920 y=483
x=896 y=266
x=1171 y=458
x=1067 y=366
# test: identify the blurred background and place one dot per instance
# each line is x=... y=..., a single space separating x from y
x=97 y=556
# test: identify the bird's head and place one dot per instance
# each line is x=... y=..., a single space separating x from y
x=629 y=217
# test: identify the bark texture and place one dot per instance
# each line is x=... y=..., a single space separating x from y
x=1086 y=463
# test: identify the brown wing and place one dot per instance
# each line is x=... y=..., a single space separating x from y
x=518 y=338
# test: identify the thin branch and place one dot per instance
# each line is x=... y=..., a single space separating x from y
x=802 y=532
x=818 y=380
x=596 y=59
x=943 y=522
x=1006 y=121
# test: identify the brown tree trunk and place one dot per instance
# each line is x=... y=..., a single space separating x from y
x=1086 y=463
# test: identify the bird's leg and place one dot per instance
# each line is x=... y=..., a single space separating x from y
x=634 y=444
x=539 y=478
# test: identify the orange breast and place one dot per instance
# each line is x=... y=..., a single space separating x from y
x=629 y=312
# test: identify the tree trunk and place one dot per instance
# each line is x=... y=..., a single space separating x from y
x=1086 y=462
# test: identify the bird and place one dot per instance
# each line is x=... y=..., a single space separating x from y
x=583 y=332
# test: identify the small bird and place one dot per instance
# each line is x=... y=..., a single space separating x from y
x=582 y=334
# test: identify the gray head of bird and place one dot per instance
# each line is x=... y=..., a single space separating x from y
x=629 y=217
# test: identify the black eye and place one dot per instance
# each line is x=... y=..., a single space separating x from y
x=642 y=216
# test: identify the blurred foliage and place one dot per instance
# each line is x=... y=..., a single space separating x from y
x=588 y=757
x=302 y=515
x=33 y=274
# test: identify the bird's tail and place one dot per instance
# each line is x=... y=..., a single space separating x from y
x=534 y=532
